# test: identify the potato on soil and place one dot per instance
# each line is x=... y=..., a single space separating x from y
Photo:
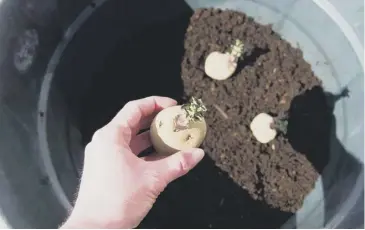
x=221 y=66
x=261 y=127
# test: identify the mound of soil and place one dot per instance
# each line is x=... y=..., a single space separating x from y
x=273 y=78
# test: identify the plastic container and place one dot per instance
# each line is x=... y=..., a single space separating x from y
x=47 y=55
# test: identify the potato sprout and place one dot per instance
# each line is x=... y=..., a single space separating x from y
x=261 y=127
x=179 y=127
x=221 y=66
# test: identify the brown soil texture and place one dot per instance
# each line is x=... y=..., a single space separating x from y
x=269 y=79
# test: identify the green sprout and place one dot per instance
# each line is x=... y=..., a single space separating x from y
x=281 y=124
x=194 y=109
x=236 y=50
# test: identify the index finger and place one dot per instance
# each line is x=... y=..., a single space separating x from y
x=134 y=112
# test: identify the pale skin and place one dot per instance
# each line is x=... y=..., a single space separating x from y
x=117 y=187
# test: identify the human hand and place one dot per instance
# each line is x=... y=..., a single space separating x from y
x=118 y=188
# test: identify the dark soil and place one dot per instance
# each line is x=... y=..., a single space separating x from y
x=240 y=183
x=269 y=79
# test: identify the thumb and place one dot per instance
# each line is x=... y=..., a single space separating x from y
x=180 y=163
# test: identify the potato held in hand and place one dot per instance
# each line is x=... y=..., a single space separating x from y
x=179 y=128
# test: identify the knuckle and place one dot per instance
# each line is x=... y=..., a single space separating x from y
x=130 y=104
x=178 y=166
x=97 y=135
x=126 y=105
x=181 y=164
x=88 y=147
x=181 y=167
x=108 y=133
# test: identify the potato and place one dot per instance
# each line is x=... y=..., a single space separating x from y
x=172 y=130
x=261 y=128
x=221 y=66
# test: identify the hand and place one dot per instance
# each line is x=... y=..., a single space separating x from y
x=118 y=188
